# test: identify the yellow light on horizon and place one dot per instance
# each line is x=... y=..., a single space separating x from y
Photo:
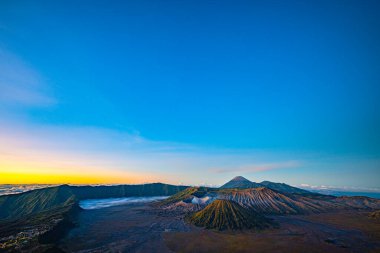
x=63 y=178
x=18 y=172
x=52 y=167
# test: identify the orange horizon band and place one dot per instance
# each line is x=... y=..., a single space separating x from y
x=47 y=178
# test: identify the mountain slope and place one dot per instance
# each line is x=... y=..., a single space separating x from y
x=35 y=201
x=358 y=202
x=118 y=191
x=289 y=200
x=264 y=200
x=225 y=214
x=35 y=219
x=189 y=200
x=32 y=202
x=38 y=218
x=187 y=194
x=283 y=187
x=239 y=182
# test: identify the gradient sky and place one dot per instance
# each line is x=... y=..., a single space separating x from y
x=191 y=92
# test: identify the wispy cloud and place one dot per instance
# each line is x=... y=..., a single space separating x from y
x=259 y=167
x=20 y=84
x=28 y=147
x=329 y=188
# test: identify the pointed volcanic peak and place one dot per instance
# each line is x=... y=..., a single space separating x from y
x=226 y=214
x=240 y=182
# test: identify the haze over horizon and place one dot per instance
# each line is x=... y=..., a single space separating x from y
x=190 y=92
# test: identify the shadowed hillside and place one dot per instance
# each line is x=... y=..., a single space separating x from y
x=118 y=191
x=37 y=218
x=20 y=205
x=225 y=214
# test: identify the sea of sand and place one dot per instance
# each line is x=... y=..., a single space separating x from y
x=142 y=227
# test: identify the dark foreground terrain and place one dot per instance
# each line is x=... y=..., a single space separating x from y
x=143 y=228
x=314 y=233
x=127 y=228
x=270 y=217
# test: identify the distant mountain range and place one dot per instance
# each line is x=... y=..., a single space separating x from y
x=241 y=204
x=238 y=204
x=266 y=198
x=240 y=182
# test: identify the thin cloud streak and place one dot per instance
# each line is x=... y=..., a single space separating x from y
x=27 y=147
x=20 y=84
x=33 y=148
x=259 y=167
x=341 y=188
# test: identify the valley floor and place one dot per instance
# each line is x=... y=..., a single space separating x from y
x=127 y=228
x=141 y=228
x=348 y=232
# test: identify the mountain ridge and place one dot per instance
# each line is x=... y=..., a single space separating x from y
x=275 y=198
x=27 y=203
x=240 y=182
x=40 y=217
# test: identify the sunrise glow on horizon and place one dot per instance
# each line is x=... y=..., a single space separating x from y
x=135 y=94
x=63 y=178
x=189 y=126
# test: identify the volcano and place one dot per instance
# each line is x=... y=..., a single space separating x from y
x=226 y=214
x=240 y=182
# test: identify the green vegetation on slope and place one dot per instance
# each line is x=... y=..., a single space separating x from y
x=31 y=220
x=186 y=194
x=41 y=200
x=32 y=202
x=40 y=217
x=225 y=214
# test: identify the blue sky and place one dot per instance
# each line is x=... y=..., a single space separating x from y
x=195 y=91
